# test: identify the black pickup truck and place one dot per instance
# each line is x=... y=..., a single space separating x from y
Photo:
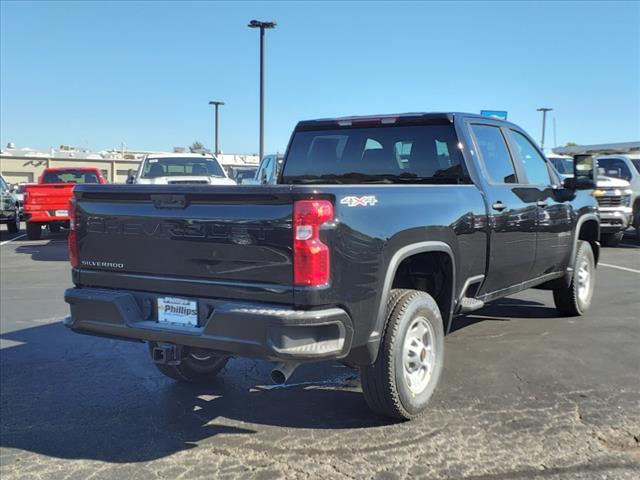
x=379 y=231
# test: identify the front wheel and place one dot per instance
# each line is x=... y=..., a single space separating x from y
x=197 y=365
x=574 y=300
x=404 y=376
x=34 y=231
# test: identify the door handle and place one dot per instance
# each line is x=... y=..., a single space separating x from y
x=541 y=203
x=499 y=206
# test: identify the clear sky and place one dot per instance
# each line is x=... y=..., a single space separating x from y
x=97 y=74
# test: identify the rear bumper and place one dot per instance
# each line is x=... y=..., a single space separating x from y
x=255 y=330
x=44 y=216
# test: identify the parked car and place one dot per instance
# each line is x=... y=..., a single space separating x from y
x=268 y=171
x=614 y=201
x=380 y=230
x=18 y=190
x=241 y=174
x=627 y=168
x=46 y=203
x=180 y=168
x=10 y=212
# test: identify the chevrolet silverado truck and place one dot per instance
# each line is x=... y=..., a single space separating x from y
x=46 y=203
x=379 y=231
x=180 y=169
x=614 y=195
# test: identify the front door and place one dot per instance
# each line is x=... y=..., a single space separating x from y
x=554 y=222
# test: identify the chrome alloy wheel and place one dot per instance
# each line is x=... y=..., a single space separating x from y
x=418 y=355
x=584 y=280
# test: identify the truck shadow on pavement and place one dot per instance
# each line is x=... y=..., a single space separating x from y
x=55 y=250
x=70 y=396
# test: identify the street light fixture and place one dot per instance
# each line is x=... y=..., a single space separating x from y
x=216 y=105
x=262 y=26
x=544 y=111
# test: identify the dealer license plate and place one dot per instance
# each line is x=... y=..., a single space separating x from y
x=178 y=311
x=62 y=213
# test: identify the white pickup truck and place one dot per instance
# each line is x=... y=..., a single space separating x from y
x=180 y=168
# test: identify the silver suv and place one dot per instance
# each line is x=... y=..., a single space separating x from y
x=625 y=167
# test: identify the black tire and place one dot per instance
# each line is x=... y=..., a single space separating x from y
x=54 y=228
x=611 y=239
x=572 y=301
x=14 y=226
x=384 y=383
x=197 y=366
x=34 y=231
x=636 y=222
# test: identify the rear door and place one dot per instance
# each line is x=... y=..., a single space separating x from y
x=554 y=218
x=512 y=210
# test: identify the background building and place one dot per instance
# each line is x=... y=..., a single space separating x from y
x=25 y=164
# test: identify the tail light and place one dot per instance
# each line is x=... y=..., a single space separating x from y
x=311 y=262
x=73 y=234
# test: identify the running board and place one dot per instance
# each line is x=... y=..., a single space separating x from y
x=470 y=304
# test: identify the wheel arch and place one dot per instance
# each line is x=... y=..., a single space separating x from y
x=414 y=251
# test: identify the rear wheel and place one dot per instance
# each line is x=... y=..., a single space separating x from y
x=404 y=376
x=14 y=225
x=575 y=299
x=611 y=239
x=34 y=231
x=197 y=365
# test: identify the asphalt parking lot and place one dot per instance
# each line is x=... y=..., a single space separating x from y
x=524 y=395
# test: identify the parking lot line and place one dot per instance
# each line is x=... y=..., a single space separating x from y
x=12 y=239
x=619 y=268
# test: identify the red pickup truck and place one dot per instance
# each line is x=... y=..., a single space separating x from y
x=46 y=204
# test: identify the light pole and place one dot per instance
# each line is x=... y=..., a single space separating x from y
x=262 y=26
x=544 y=111
x=216 y=105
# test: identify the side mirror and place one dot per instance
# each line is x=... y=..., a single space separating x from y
x=585 y=172
x=130 y=177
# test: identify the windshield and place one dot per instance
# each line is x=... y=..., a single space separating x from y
x=636 y=163
x=564 y=166
x=180 y=167
x=389 y=154
x=70 y=176
x=614 y=167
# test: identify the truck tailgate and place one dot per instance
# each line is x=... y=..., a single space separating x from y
x=224 y=242
x=49 y=197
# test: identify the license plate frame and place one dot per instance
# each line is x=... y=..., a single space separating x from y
x=177 y=311
x=62 y=213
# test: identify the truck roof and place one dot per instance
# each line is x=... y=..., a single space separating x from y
x=64 y=169
x=180 y=155
x=393 y=118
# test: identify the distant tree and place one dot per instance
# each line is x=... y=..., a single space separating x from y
x=571 y=144
x=196 y=147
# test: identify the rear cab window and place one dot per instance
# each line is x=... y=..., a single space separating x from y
x=377 y=154
x=495 y=154
x=71 y=176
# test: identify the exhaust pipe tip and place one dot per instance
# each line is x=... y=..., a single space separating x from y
x=278 y=377
x=282 y=371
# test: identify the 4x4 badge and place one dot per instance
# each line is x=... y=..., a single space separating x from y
x=369 y=200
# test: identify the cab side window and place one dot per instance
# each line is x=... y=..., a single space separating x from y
x=534 y=164
x=495 y=154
